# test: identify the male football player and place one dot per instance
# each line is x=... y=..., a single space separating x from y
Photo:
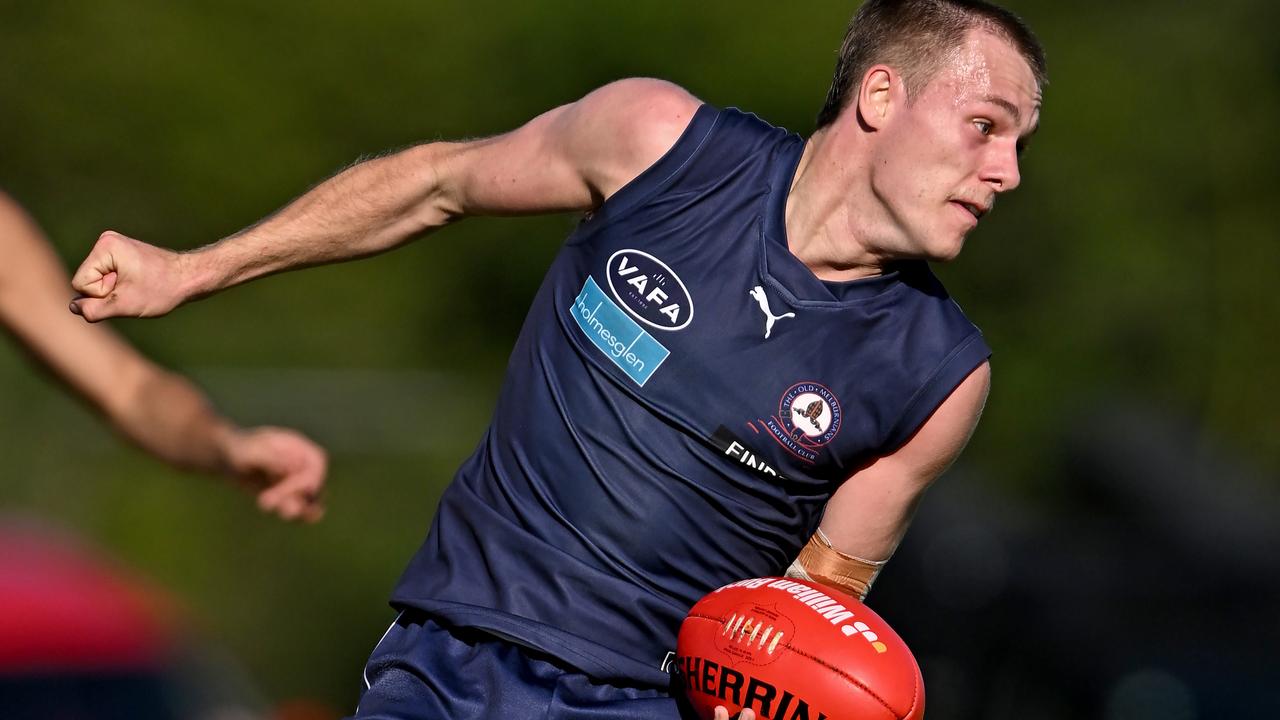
x=739 y=349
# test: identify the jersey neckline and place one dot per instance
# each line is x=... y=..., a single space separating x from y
x=787 y=271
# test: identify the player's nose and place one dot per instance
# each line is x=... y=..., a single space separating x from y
x=1001 y=169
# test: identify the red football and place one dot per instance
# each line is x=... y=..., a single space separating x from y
x=795 y=650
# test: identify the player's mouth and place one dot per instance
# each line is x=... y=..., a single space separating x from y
x=974 y=210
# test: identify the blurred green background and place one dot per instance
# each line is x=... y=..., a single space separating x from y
x=1135 y=263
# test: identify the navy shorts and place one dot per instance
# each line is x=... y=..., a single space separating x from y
x=423 y=670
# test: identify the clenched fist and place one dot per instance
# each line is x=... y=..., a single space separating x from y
x=123 y=277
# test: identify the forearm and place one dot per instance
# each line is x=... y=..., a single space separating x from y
x=366 y=209
x=868 y=515
x=167 y=416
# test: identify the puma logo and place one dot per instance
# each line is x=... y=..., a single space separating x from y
x=762 y=300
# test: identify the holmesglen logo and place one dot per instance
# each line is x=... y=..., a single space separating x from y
x=649 y=290
x=633 y=350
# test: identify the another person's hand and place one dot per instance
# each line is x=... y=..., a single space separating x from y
x=285 y=468
x=123 y=277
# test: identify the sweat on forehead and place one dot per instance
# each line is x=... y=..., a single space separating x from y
x=916 y=37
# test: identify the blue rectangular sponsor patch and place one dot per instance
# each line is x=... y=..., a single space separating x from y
x=633 y=350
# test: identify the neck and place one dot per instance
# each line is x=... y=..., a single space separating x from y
x=831 y=213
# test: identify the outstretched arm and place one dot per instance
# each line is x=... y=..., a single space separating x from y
x=160 y=411
x=868 y=516
x=569 y=158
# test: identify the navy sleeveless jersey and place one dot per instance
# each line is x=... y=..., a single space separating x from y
x=683 y=399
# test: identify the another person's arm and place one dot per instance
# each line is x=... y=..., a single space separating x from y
x=163 y=413
x=570 y=158
x=868 y=516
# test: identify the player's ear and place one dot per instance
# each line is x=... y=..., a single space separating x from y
x=876 y=95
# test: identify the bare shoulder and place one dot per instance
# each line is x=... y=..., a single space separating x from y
x=572 y=157
x=652 y=110
x=630 y=124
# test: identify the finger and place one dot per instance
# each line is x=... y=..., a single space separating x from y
x=92 y=309
x=307 y=484
x=269 y=500
x=306 y=508
x=291 y=508
x=313 y=513
x=293 y=499
x=747 y=714
x=273 y=498
x=286 y=507
x=90 y=276
x=299 y=509
x=101 y=287
x=312 y=494
x=88 y=279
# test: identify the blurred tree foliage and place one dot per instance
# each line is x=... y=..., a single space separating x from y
x=1136 y=262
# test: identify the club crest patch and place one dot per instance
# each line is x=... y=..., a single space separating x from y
x=808 y=417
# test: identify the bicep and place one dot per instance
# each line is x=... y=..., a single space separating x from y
x=571 y=158
x=869 y=514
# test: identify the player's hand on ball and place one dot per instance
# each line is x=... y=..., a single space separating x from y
x=786 y=647
x=123 y=277
x=286 y=469
x=722 y=713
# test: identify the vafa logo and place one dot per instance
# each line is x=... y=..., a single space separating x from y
x=649 y=290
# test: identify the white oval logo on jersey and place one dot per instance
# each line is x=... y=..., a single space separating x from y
x=649 y=290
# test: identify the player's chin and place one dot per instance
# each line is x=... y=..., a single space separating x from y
x=945 y=247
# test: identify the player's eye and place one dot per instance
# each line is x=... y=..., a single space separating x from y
x=984 y=126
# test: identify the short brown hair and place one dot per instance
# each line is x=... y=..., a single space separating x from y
x=913 y=36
